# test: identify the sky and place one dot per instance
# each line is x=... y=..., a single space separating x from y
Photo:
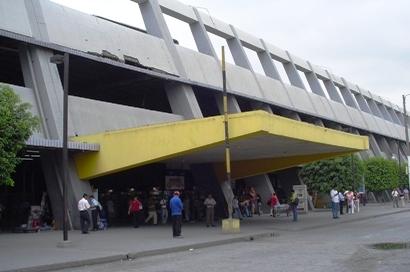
x=365 y=41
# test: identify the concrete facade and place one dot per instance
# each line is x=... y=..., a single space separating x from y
x=43 y=25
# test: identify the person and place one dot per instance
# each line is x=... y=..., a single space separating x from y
x=356 y=199
x=274 y=201
x=350 y=202
x=176 y=213
x=236 y=209
x=164 y=210
x=395 y=195
x=341 y=202
x=152 y=211
x=258 y=204
x=334 y=195
x=293 y=205
x=406 y=194
x=83 y=207
x=401 y=198
x=210 y=210
x=95 y=208
x=134 y=209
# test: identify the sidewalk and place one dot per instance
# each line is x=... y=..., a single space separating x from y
x=39 y=251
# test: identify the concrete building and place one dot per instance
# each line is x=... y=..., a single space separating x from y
x=142 y=107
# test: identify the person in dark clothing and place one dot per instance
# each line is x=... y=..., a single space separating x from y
x=176 y=212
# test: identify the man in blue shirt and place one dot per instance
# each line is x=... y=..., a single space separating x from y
x=176 y=212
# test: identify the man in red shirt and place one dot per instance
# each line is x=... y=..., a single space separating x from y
x=273 y=202
x=134 y=211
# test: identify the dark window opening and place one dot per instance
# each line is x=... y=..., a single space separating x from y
x=104 y=82
x=207 y=101
x=10 y=66
x=244 y=104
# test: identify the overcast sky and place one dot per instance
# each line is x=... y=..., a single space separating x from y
x=367 y=42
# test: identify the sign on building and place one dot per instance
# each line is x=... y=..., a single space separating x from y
x=301 y=193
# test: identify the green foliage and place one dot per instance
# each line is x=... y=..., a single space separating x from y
x=382 y=174
x=342 y=173
x=16 y=125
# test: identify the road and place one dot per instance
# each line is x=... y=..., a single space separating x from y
x=341 y=247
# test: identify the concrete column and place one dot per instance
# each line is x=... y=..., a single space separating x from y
x=331 y=89
x=384 y=145
x=201 y=37
x=268 y=65
x=364 y=154
x=237 y=51
x=181 y=97
x=361 y=101
x=348 y=96
x=400 y=117
x=373 y=107
x=293 y=74
x=383 y=111
x=313 y=81
x=393 y=115
x=375 y=147
x=388 y=114
x=263 y=187
x=395 y=148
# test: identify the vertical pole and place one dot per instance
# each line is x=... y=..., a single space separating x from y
x=407 y=137
x=226 y=122
x=65 y=151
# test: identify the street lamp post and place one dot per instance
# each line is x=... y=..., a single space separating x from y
x=407 y=136
x=59 y=59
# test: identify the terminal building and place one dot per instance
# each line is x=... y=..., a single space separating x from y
x=146 y=112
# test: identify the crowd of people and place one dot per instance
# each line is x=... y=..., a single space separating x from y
x=400 y=197
x=349 y=200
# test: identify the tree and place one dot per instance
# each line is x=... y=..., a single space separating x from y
x=16 y=125
x=342 y=173
x=381 y=174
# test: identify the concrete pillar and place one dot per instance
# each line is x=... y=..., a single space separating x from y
x=263 y=187
x=362 y=103
x=348 y=96
x=373 y=107
x=261 y=106
x=268 y=65
x=314 y=81
x=201 y=37
x=364 y=154
x=331 y=89
x=237 y=51
x=181 y=97
x=374 y=145
x=293 y=74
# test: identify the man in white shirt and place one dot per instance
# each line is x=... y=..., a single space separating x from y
x=83 y=207
x=334 y=195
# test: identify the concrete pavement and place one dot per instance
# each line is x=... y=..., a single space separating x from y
x=39 y=251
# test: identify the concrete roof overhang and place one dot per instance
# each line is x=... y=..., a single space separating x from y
x=260 y=143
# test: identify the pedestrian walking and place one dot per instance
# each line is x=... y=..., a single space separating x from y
x=356 y=199
x=293 y=205
x=406 y=194
x=95 y=208
x=350 y=202
x=210 y=210
x=176 y=212
x=341 y=202
x=152 y=211
x=236 y=209
x=134 y=209
x=274 y=201
x=164 y=210
x=334 y=195
x=83 y=207
x=395 y=195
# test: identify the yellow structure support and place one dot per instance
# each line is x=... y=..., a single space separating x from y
x=129 y=148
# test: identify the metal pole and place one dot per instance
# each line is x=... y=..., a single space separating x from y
x=65 y=151
x=226 y=122
x=407 y=137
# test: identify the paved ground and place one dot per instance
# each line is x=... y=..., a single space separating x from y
x=313 y=234
x=342 y=247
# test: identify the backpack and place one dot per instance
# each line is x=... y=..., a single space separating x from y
x=295 y=202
